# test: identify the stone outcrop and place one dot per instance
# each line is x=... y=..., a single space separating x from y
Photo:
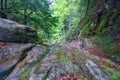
x=10 y=56
x=42 y=63
x=13 y=32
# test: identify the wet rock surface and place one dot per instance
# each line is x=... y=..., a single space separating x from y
x=13 y=32
x=42 y=63
x=10 y=55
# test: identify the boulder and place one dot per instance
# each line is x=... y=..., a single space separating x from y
x=12 y=32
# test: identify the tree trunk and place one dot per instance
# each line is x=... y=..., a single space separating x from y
x=25 y=16
x=5 y=4
x=1 y=4
x=3 y=7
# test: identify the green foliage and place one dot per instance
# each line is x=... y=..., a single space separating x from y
x=47 y=79
x=88 y=29
x=106 y=44
x=61 y=20
x=106 y=21
x=114 y=74
x=62 y=57
x=24 y=74
x=86 y=25
x=35 y=13
x=68 y=13
x=101 y=27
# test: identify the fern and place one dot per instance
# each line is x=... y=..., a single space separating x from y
x=107 y=45
x=100 y=28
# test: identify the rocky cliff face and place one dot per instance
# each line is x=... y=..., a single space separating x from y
x=28 y=61
x=13 y=32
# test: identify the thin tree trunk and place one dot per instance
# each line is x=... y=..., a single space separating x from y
x=70 y=18
x=3 y=6
x=25 y=16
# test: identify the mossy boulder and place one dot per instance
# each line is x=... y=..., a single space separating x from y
x=12 y=32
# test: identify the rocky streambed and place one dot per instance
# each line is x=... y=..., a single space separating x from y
x=53 y=62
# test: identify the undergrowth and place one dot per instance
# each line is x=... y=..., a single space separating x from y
x=106 y=44
x=24 y=74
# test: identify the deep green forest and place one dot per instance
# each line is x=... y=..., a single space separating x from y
x=59 y=21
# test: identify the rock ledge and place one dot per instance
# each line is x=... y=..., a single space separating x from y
x=12 y=32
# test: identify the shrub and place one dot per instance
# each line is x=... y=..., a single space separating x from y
x=107 y=45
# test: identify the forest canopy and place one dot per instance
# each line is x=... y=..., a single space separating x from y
x=63 y=20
